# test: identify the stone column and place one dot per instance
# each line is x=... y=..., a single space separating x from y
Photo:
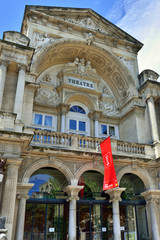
x=22 y=195
x=153 y=120
x=18 y=105
x=152 y=198
x=9 y=195
x=115 y=198
x=3 y=70
x=72 y=192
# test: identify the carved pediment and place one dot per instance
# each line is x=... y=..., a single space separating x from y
x=48 y=97
x=81 y=68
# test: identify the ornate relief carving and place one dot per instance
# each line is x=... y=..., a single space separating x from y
x=87 y=23
x=106 y=92
x=47 y=78
x=118 y=80
x=109 y=108
x=41 y=38
x=98 y=60
x=48 y=97
x=89 y=38
x=79 y=67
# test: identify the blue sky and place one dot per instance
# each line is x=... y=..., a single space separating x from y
x=139 y=18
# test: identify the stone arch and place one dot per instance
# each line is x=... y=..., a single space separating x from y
x=107 y=65
x=89 y=167
x=141 y=173
x=61 y=166
x=82 y=98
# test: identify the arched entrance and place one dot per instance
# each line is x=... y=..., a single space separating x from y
x=133 y=218
x=46 y=209
x=94 y=212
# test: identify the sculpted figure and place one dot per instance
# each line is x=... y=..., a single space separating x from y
x=72 y=64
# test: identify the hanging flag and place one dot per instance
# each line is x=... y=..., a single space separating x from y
x=110 y=179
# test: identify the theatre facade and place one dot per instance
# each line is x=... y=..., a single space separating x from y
x=68 y=80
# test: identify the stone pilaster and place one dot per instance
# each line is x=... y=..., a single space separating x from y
x=22 y=195
x=152 y=199
x=9 y=195
x=3 y=70
x=64 y=110
x=153 y=120
x=115 y=198
x=18 y=105
x=96 y=123
x=72 y=192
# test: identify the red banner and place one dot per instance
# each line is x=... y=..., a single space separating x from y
x=110 y=179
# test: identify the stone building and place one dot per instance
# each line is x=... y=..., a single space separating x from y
x=68 y=80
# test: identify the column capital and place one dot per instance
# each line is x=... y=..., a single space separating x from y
x=73 y=191
x=22 y=67
x=115 y=193
x=152 y=195
x=95 y=115
x=22 y=196
x=16 y=162
x=64 y=108
x=23 y=188
x=4 y=63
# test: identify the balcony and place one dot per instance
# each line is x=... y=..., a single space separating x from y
x=73 y=142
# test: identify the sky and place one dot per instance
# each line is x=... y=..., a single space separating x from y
x=139 y=18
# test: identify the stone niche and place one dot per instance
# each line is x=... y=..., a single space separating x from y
x=16 y=37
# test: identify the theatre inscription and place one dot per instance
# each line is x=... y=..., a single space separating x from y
x=81 y=83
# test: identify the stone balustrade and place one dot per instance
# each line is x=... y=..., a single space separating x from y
x=49 y=139
x=130 y=147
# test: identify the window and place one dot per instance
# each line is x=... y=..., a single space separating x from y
x=106 y=130
x=77 y=120
x=44 y=121
x=77 y=109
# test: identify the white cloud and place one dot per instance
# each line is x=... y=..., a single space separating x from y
x=141 y=19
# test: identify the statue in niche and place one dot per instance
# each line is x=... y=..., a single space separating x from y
x=109 y=108
x=47 y=96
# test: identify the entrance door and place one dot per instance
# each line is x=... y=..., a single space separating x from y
x=94 y=220
x=46 y=221
x=133 y=222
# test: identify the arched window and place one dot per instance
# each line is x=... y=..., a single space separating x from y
x=77 y=109
x=77 y=120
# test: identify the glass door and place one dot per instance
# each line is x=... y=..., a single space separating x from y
x=94 y=221
x=133 y=222
x=46 y=221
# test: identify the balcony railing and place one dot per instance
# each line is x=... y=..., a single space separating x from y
x=67 y=141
